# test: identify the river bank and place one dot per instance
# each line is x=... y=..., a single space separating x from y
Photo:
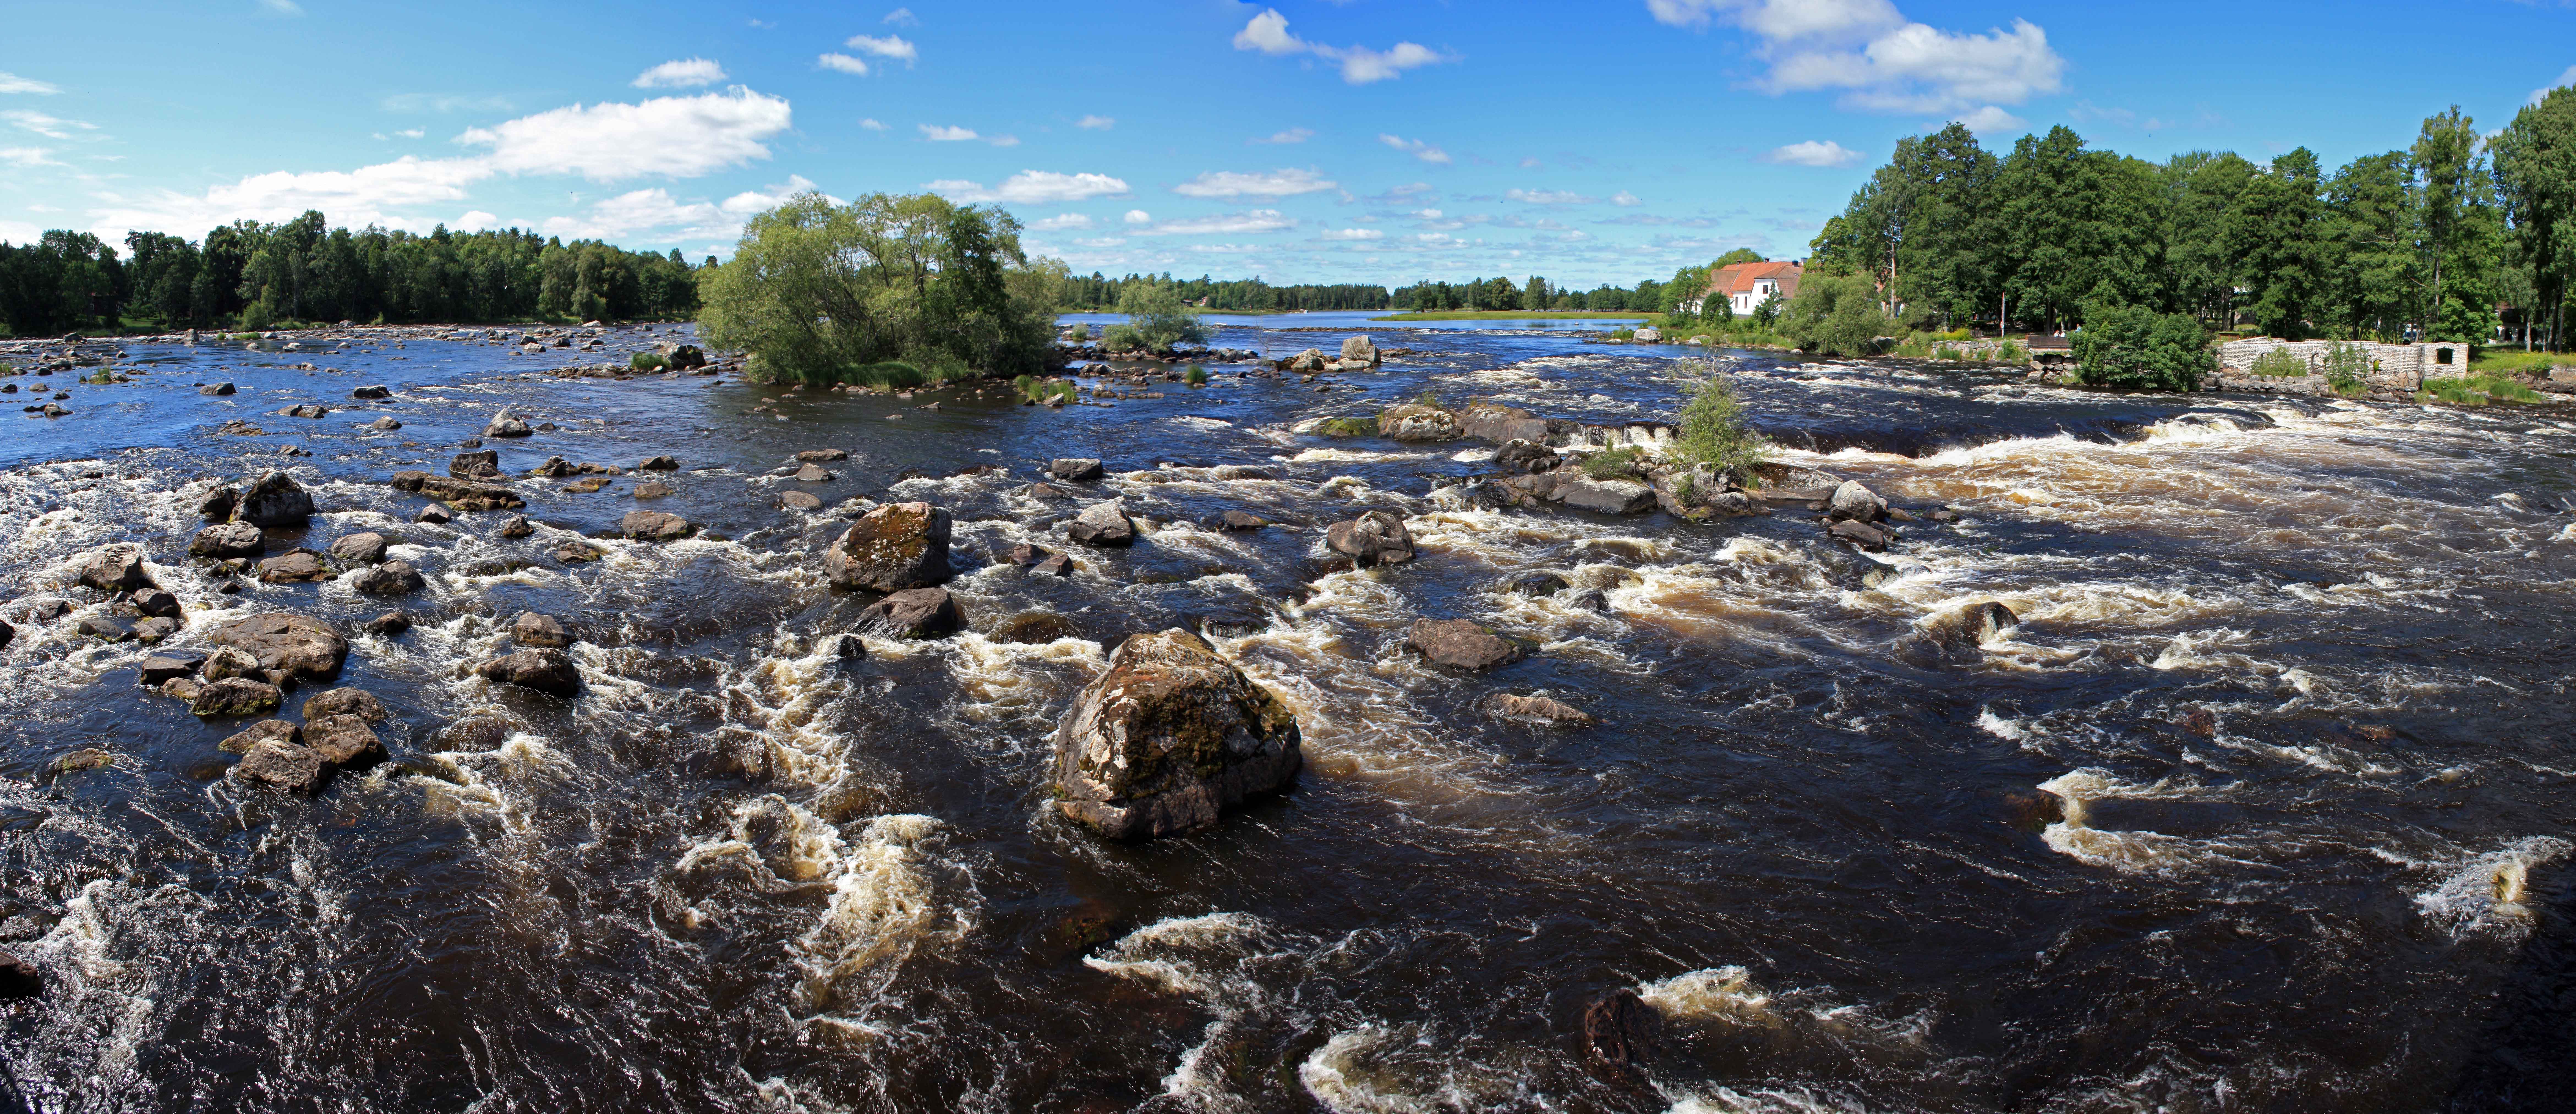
x=1730 y=811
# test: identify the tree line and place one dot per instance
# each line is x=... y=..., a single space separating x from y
x=2426 y=241
x=256 y=276
x=1098 y=292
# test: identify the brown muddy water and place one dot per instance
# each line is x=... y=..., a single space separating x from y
x=2263 y=806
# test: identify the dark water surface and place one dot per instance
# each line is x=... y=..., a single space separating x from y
x=2263 y=807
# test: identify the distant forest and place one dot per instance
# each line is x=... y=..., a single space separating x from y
x=1099 y=293
x=258 y=276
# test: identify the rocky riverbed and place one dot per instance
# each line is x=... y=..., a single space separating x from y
x=1381 y=726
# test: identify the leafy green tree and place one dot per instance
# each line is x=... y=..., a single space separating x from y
x=2201 y=191
x=2535 y=171
x=2367 y=273
x=1160 y=320
x=1713 y=432
x=2136 y=348
x=1734 y=256
x=1835 y=316
x=2070 y=220
x=2272 y=232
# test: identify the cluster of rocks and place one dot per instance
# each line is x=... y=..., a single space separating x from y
x=541 y=661
x=1358 y=354
x=336 y=733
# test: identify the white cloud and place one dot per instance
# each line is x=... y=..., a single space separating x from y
x=872 y=124
x=891 y=46
x=51 y=127
x=1096 y=123
x=2537 y=95
x=12 y=83
x=1004 y=141
x=281 y=7
x=1060 y=221
x=27 y=156
x=843 y=63
x=1292 y=135
x=1881 y=61
x=1102 y=242
x=1355 y=234
x=948 y=134
x=1230 y=224
x=1549 y=197
x=901 y=17
x=1138 y=216
x=1417 y=148
x=369 y=194
x=1032 y=187
x=680 y=74
x=475 y=220
x=681 y=137
x=654 y=214
x=1992 y=119
x=411 y=133
x=1268 y=33
x=1813 y=153
x=1624 y=199
x=1277 y=183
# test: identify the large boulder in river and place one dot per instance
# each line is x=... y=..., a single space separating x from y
x=115 y=568
x=295 y=566
x=1462 y=644
x=1166 y=737
x=914 y=613
x=393 y=578
x=546 y=671
x=364 y=548
x=1360 y=350
x=1605 y=496
x=460 y=495
x=893 y=547
x=654 y=526
x=484 y=465
x=1486 y=420
x=506 y=424
x=1375 y=538
x=228 y=539
x=276 y=500
x=1416 y=422
x=1103 y=524
x=1856 y=503
x=234 y=696
x=285 y=642
x=1078 y=469
x=281 y=764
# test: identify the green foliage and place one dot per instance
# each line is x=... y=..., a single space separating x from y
x=1949 y=353
x=1713 y=432
x=2012 y=352
x=2136 y=348
x=1100 y=292
x=649 y=361
x=818 y=292
x=2347 y=368
x=1348 y=427
x=2279 y=363
x=2477 y=390
x=2502 y=361
x=1079 y=333
x=1157 y=317
x=1039 y=391
x=1196 y=376
x=1613 y=464
x=1123 y=338
x=1835 y=316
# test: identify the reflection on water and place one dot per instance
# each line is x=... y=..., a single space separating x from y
x=2257 y=808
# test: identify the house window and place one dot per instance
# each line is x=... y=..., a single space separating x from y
x=2442 y=355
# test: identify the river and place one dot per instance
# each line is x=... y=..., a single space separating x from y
x=2263 y=806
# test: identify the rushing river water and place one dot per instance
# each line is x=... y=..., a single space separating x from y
x=2264 y=806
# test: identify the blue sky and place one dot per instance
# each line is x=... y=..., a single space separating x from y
x=1364 y=140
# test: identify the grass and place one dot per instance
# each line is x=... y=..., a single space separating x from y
x=1613 y=464
x=2477 y=390
x=2279 y=363
x=2503 y=361
x=1512 y=315
x=1348 y=427
x=649 y=361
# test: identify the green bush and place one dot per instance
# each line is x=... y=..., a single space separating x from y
x=1123 y=338
x=1613 y=464
x=2012 y=352
x=649 y=361
x=1196 y=376
x=2279 y=363
x=2347 y=367
x=2477 y=390
x=2136 y=348
x=1713 y=432
x=1835 y=316
x=1347 y=427
x=1949 y=353
x=1157 y=316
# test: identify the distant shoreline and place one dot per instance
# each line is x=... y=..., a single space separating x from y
x=1515 y=315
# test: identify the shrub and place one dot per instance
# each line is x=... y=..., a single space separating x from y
x=649 y=361
x=1156 y=316
x=1196 y=376
x=2136 y=348
x=1949 y=353
x=2279 y=363
x=2346 y=368
x=1080 y=333
x=1835 y=316
x=2012 y=352
x=1123 y=338
x=1913 y=348
x=1036 y=390
x=1612 y=464
x=1347 y=427
x=2477 y=390
x=1713 y=432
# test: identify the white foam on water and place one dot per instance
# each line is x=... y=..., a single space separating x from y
x=1714 y=993
x=2009 y=730
x=2131 y=852
x=1352 y=456
x=2487 y=892
x=1338 y=1075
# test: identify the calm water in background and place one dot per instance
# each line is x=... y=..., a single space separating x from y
x=2264 y=806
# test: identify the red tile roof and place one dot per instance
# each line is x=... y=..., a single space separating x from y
x=1738 y=278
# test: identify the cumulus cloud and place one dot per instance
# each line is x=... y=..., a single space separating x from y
x=27 y=156
x=1624 y=199
x=843 y=63
x=1004 y=141
x=677 y=136
x=1417 y=148
x=655 y=212
x=1813 y=153
x=51 y=127
x=1276 y=183
x=1138 y=216
x=1059 y=222
x=475 y=220
x=901 y=17
x=411 y=133
x=1230 y=224
x=891 y=46
x=1354 y=234
x=1549 y=197
x=947 y=134
x=1878 y=59
x=1096 y=123
x=872 y=124
x=1268 y=33
x=12 y=83
x=1032 y=187
x=1991 y=119
x=1292 y=135
x=2537 y=95
x=680 y=74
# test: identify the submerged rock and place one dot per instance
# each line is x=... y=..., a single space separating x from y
x=1861 y=534
x=1968 y=627
x=891 y=548
x=1463 y=644
x=547 y=671
x=517 y=526
x=1536 y=707
x=459 y=494
x=1167 y=737
x=914 y=613
x=1103 y=524
x=1036 y=628
x=389 y=624
x=276 y=500
x=228 y=539
x=1374 y=538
